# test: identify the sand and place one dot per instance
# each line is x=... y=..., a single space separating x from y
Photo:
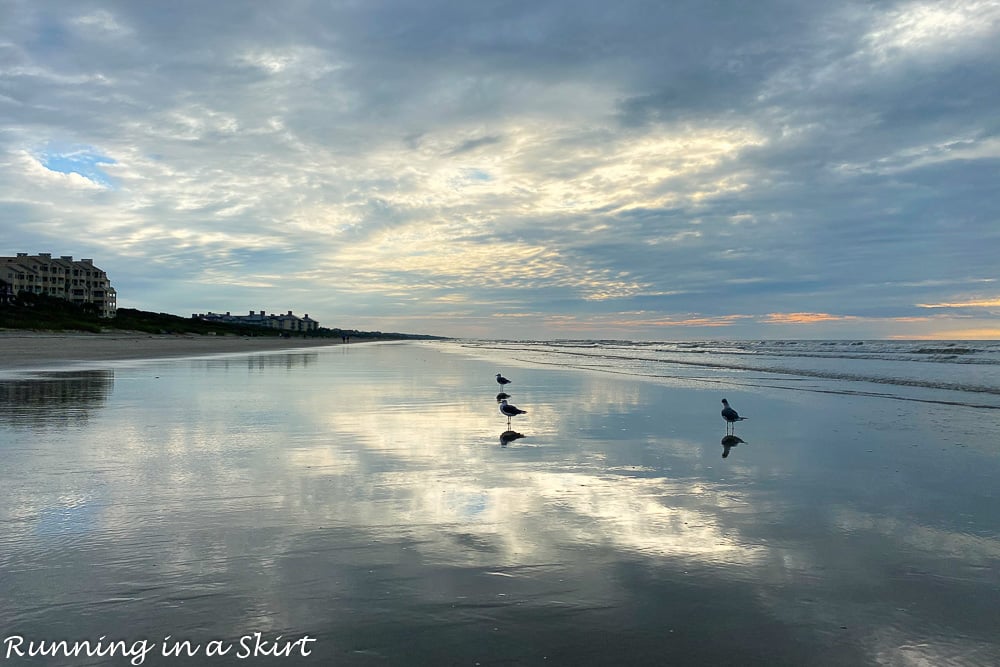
x=21 y=350
x=366 y=496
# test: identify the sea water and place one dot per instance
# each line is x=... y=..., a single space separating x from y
x=966 y=372
x=368 y=504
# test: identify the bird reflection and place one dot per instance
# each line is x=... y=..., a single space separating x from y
x=502 y=396
x=728 y=442
x=508 y=437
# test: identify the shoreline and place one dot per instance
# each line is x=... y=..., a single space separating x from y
x=26 y=351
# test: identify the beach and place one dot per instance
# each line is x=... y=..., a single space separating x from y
x=21 y=350
x=368 y=504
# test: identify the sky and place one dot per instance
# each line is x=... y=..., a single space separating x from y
x=668 y=170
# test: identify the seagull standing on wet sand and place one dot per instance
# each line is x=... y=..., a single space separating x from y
x=501 y=380
x=510 y=411
x=730 y=415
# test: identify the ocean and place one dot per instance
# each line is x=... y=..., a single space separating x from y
x=963 y=372
x=367 y=504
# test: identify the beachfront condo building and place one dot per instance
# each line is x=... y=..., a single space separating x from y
x=290 y=323
x=76 y=281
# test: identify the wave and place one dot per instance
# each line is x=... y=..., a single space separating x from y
x=952 y=366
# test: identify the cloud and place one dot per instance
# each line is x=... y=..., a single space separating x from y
x=474 y=144
x=687 y=161
x=932 y=30
x=971 y=303
x=85 y=161
x=805 y=318
x=101 y=24
x=64 y=172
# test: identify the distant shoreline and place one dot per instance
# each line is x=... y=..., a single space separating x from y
x=30 y=350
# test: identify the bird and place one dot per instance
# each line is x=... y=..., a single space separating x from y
x=730 y=415
x=510 y=410
x=501 y=380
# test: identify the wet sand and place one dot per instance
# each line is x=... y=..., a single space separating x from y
x=370 y=498
x=21 y=350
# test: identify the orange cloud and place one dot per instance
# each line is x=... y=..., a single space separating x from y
x=637 y=320
x=806 y=318
x=973 y=303
x=720 y=321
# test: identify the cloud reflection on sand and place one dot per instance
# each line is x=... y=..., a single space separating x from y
x=966 y=549
x=371 y=484
x=398 y=457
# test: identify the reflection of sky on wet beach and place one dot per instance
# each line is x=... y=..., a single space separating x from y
x=360 y=494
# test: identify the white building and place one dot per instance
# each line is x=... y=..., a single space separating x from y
x=77 y=281
x=289 y=322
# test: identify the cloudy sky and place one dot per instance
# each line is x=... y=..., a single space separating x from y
x=543 y=169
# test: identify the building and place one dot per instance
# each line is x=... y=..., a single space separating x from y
x=7 y=292
x=288 y=323
x=76 y=281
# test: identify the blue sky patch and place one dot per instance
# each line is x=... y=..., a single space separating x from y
x=76 y=159
x=477 y=175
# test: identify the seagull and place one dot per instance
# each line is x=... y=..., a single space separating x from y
x=502 y=380
x=730 y=415
x=510 y=410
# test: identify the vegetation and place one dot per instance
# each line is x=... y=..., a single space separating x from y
x=41 y=312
